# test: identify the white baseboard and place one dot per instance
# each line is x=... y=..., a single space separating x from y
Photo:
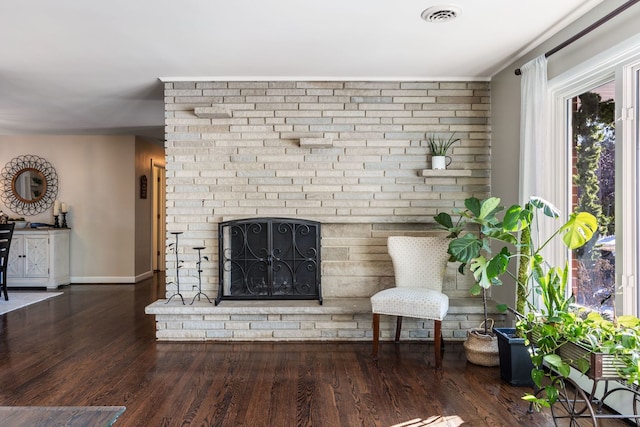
x=143 y=276
x=102 y=279
x=111 y=279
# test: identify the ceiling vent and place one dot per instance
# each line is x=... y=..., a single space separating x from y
x=441 y=13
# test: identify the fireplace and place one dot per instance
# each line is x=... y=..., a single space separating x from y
x=269 y=259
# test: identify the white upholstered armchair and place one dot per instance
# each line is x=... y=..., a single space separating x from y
x=419 y=265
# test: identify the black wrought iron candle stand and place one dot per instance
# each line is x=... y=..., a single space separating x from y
x=198 y=265
x=56 y=222
x=177 y=282
x=64 y=220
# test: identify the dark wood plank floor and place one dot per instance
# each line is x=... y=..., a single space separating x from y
x=95 y=346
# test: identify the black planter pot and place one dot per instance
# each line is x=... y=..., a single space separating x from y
x=515 y=362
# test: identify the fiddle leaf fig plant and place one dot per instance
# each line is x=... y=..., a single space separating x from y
x=476 y=227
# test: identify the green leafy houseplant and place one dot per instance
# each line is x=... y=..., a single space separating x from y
x=478 y=226
x=439 y=146
x=470 y=246
x=533 y=271
x=557 y=323
x=587 y=331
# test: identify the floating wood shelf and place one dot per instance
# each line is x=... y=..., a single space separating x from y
x=213 y=112
x=436 y=173
x=316 y=142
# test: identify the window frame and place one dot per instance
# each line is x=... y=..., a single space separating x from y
x=622 y=64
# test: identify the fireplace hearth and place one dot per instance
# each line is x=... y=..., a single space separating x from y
x=269 y=259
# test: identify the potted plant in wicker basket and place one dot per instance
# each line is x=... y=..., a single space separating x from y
x=476 y=227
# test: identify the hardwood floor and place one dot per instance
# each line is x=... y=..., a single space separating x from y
x=95 y=346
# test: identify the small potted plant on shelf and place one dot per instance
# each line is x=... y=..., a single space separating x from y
x=439 y=147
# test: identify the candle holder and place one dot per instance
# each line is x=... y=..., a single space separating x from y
x=200 y=258
x=177 y=282
x=64 y=220
x=56 y=223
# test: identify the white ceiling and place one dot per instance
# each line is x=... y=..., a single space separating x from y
x=93 y=66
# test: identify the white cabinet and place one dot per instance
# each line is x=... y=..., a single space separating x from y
x=39 y=258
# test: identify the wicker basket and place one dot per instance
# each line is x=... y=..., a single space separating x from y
x=482 y=349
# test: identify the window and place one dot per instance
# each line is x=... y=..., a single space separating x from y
x=592 y=138
x=591 y=163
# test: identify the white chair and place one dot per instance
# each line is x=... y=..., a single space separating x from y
x=419 y=264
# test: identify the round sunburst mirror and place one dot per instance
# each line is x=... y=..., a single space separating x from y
x=30 y=185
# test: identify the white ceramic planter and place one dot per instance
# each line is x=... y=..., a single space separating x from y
x=440 y=162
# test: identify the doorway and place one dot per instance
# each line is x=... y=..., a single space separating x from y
x=158 y=214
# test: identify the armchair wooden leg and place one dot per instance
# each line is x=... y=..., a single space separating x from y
x=376 y=335
x=398 y=328
x=437 y=339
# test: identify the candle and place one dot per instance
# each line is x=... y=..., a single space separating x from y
x=63 y=207
x=56 y=208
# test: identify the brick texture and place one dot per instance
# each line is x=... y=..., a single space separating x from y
x=357 y=170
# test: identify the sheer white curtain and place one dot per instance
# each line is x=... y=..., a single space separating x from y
x=534 y=127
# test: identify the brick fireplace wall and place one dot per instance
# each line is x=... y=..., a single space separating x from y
x=348 y=154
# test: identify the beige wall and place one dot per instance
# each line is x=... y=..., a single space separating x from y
x=96 y=179
x=505 y=91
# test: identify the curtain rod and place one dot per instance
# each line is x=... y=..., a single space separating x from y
x=587 y=30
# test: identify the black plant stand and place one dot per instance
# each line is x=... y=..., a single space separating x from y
x=198 y=264
x=177 y=282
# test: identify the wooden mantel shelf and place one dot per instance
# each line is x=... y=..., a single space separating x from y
x=432 y=173
x=311 y=142
x=212 y=112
